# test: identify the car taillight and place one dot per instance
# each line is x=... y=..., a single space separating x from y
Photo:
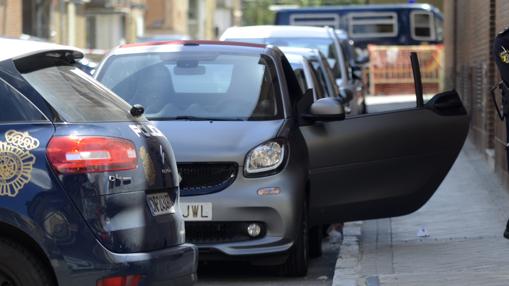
x=130 y=280
x=88 y=154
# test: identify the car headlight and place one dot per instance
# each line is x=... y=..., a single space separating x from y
x=266 y=157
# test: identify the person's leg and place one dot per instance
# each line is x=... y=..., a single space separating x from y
x=506 y=232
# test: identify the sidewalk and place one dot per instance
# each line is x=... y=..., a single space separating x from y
x=464 y=219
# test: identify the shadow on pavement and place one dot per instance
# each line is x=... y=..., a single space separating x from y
x=321 y=271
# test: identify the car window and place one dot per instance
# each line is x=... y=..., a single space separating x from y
x=325 y=78
x=326 y=45
x=347 y=56
x=298 y=68
x=422 y=25
x=15 y=107
x=301 y=78
x=321 y=86
x=196 y=85
x=329 y=77
x=76 y=96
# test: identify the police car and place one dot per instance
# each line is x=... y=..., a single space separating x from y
x=88 y=187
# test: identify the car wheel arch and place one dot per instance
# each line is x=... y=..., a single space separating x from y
x=10 y=232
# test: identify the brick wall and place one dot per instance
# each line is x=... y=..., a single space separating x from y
x=501 y=22
x=470 y=27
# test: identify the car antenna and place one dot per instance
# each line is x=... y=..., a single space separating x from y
x=417 y=79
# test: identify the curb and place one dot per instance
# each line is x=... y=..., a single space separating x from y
x=347 y=269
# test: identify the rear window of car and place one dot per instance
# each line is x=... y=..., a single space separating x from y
x=15 y=107
x=74 y=95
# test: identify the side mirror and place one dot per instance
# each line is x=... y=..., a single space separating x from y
x=326 y=109
x=346 y=94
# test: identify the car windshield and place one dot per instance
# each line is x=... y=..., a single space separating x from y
x=196 y=85
x=325 y=45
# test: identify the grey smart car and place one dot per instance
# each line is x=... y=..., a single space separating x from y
x=262 y=163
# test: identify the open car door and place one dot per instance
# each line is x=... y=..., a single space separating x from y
x=384 y=164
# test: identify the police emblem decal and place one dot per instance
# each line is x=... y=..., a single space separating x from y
x=148 y=166
x=16 y=162
x=504 y=56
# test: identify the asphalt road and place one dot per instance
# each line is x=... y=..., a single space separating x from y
x=320 y=272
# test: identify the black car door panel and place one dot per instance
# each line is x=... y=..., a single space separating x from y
x=383 y=165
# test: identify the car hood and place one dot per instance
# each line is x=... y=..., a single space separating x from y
x=217 y=141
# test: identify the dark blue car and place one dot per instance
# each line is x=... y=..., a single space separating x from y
x=88 y=187
x=388 y=24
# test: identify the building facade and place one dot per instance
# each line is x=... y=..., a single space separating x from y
x=470 y=28
x=113 y=22
x=199 y=19
x=11 y=24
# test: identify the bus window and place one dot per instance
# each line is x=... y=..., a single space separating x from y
x=439 y=27
x=373 y=25
x=422 y=26
x=317 y=20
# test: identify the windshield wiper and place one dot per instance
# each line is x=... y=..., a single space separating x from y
x=196 y=118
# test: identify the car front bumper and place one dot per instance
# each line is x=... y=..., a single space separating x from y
x=241 y=202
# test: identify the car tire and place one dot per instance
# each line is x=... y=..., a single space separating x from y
x=298 y=259
x=364 y=107
x=21 y=268
x=315 y=241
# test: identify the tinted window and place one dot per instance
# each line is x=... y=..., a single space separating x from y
x=300 y=75
x=196 y=85
x=317 y=20
x=15 y=107
x=76 y=96
x=372 y=25
x=321 y=86
x=301 y=78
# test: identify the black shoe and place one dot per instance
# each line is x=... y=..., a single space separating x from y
x=506 y=232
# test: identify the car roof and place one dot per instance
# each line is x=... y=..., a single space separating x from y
x=294 y=58
x=369 y=7
x=272 y=31
x=14 y=48
x=305 y=52
x=173 y=46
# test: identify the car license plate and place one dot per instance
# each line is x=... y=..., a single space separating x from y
x=196 y=211
x=160 y=204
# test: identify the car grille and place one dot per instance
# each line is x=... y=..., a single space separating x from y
x=219 y=232
x=206 y=178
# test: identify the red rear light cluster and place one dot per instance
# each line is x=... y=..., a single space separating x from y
x=89 y=154
x=130 y=280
